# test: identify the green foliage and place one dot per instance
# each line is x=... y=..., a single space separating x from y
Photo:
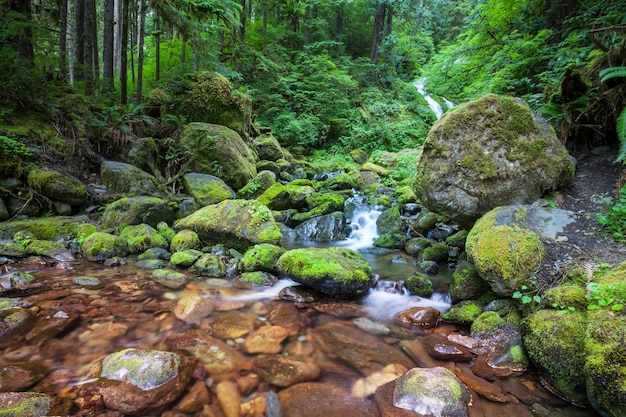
x=615 y=218
x=605 y=75
x=599 y=299
x=525 y=297
x=12 y=148
x=118 y=123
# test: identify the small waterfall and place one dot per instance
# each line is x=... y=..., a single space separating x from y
x=363 y=226
x=434 y=105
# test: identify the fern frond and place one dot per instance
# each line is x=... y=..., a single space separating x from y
x=612 y=72
x=621 y=135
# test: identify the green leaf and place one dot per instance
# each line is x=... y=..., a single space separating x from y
x=517 y=295
x=621 y=134
x=612 y=72
x=526 y=299
x=592 y=307
x=537 y=299
x=617 y=307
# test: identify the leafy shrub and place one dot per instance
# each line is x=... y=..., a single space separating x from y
x=615 y=219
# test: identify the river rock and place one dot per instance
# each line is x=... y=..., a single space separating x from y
x=255 y=279
x=326 y=228
x=209 y=265
x=435 y=391
x=185 y=258
x=58 y=186
x=439 y=347
x=338 y=272
x=556 y=345
x=360 y=350
x=127 y=179
x=323 y=400
x=207 y=189
x=136 y=380
x=237 y=224
x=232 y=324
x=487 y=153
x=416 y=245
x=25 y=404
x=257 y=185
x=266 y=340
x=283 y=371
x=419 y=318
x=18 y=377
x=466 y=283
x=419 y=284
x=220 y=151
x=53 y=325
x=15 y=322
x=184 y=240
x=268 y=148
x=137 y=210
x=229 y=398
x=141 y=237
x=169 y=278
x=262 y=257
x=193 y=307
x=367 y=386
x=389 y=221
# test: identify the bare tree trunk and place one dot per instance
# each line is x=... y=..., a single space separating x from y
x=157 y=46
x=242 y=21
x=133 y=37
x=142 y=35
x=377 y=35
x=79 y=40
x=117 y=35
x=89 y=21
x=339 y=21
x=220 y=44
x=124 y=53
x=108 y=46
x=63 y=40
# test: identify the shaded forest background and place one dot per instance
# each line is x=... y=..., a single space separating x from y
x=323 y=74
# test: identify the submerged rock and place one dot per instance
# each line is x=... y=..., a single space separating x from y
x=311 y=399
x=435 y=391
x=338 y=272
x=25 y=404
x=489 y=152
x=283 y=371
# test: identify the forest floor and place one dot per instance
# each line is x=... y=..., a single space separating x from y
x=585 y=241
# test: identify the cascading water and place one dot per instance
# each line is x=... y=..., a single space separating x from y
x=434 y=105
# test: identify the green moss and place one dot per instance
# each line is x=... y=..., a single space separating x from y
x=102 y=245
x=185 y=258
x=436 y=253
x=390 y=241
x=419 y=284
x=262 y=257
x=405 y=194
x=44 y=228
x=556 y=345
x=464 y=312
x=26 y=404
x=338 y=264
x=566 y=295
x=55 y=185
x=141 y=237
x=185 y=239
x=487 y=324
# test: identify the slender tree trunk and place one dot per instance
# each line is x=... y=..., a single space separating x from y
x=133 y=37
x=220 y=44
x=124 y=53
x=377 y=35
x=339 y=21
x=142 y=36
x=242 y=21
x=89 y=21
x=108 y=46
x=63 y=40
x=265 y=19
x=22 y=39
x=79 y=40
x=117 y=35
x=157 y=46
x=388 y=23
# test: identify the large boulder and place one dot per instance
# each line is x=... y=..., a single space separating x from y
x=506 y=248
x=58 y=186
x=137 y=210
x=127 y=179
x=207 y=189
x=338 y=272
x=207 y=97
x=237 y=224
x=486 y=153
x=268 y=148
x=219 y=151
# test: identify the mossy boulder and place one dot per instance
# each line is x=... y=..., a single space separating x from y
x=185 y=258
x=206 y=189
x=505 y=250
x=390 y=241
x=127 y=179
x=185 y=239
x=438 y=252
x=208 y=97
x=257 y=185
x=380 y=171
x=605 y=364
x=329 y=200
x=464 y=312
x=209 y=265
x=486 y=153
x=48 y=228
x=389 y=221
x=58 y=186
x=358 y=155
x=262 y=257
x=466 y=282
x=416 y=245
x=424 y=222
x=219 y=151
x=419 y=284
x=351 y=180
x=137 y=210
x=268 y=148
x=566 y=297
x=485 y=325
x=100 y=246
x=556 y=345
x=404 y=195
x=25 y=404
x=237 y=224
x=338 y=272
x=326 y=228
x=141 y=237
x=282 y=197
x=458 y=239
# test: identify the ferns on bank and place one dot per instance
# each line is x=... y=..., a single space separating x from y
x=605 y=75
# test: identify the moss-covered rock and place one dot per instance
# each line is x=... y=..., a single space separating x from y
x=185 y=239
x=208 y=97
x=206 y=189
x=556 y=345
x=262 y=257
x=419 y=284
x=281 y=197
x=257 y=185
x=438 y=252
x=505 y=252
x=338 y=272
x=390 y=241
x=605 y=364
x=141 y=237
x=486 y=324
x=358 y=155
x=169 y=278
x=185 y=258
x=424 y=222
x=268 y=148
x=58 y=186
x=25 y=404
x=487 y=153
x=255 y=279
x=331 y=200
x=457 y=240
x=137 y=210
x=209 y=265
x=127 y=179
x=464 y=312
x=345 y=181
x=326 y=228
x=404 y=195
x=389 y=221
x=237 y=224
x=380 y=171
x=219 y=151
x=466 y=283
x=100 y=246
x=416 y=245
x=566 y=297
x=48 y=228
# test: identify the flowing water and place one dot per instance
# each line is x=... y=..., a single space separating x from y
x=131 y=310
x=434 y=105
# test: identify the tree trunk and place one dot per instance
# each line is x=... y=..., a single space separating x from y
x=142 y=36
x=124 y=53
x=339 y=15
x=63 y=40
x=79 y=40
x=220 y=44
x=157 y=46
x=389 y=23
x=89 y=42
x=22 y=39
x=117 y=35
x=377 y=35
x=242 y=21
x=133 y=37
x=108 y=46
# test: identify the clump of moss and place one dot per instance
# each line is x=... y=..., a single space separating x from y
x=419 y=284
x=464 y=312
x=142 y=237
x=466 y=282
x=436 y=253
x=487 y=324
x=261 y=257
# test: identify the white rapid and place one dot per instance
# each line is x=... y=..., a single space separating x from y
x=363 y=226
x=434 y=105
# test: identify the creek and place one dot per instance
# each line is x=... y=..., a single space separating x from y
x=434 y=105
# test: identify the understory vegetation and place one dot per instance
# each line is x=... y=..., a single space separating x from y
x=327 y=76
